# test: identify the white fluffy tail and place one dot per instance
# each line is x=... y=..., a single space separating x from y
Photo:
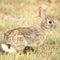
x=6 y=49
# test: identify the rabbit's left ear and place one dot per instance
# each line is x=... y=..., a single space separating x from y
x=42 y=12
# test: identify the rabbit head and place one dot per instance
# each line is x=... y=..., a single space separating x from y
x=47 y=22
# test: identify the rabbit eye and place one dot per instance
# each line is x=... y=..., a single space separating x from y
x=50 y=22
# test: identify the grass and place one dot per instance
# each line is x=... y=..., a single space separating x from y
x=12 y=16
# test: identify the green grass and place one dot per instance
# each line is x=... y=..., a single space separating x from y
x=12 y=16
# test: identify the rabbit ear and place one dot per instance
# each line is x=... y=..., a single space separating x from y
x=42 y=12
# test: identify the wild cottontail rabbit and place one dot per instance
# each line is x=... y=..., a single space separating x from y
x=16 y=39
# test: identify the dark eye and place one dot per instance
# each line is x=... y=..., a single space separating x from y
x=50 y=22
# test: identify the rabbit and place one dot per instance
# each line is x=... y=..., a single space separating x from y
x=17 y=39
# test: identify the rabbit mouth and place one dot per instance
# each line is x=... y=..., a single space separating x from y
x=6 y=49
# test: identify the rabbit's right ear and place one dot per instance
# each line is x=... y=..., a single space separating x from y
x=42 y=12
